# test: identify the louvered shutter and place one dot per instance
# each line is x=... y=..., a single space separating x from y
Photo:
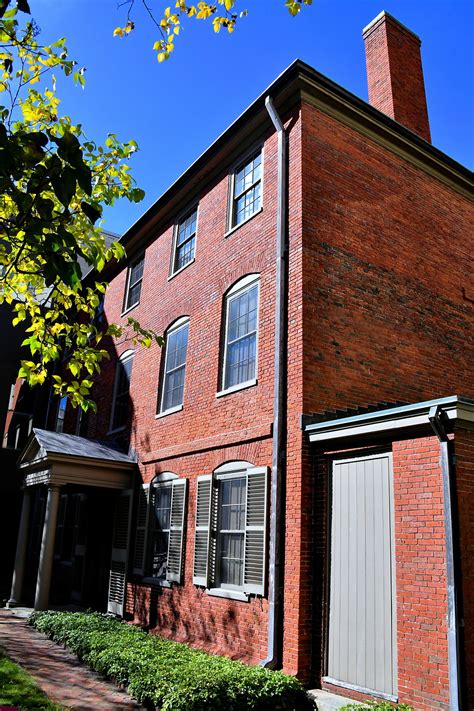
x=212 y=570
x=201 y=534
x=174 y=564
x=256 y=530
x=118 y=563
x=141 y=532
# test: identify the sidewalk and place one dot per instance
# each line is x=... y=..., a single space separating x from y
x=58 y=672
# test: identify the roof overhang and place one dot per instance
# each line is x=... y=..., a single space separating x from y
x=407 y=417
x=298 y=82
x=43 y=462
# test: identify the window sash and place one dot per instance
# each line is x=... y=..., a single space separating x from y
x=135 y=278
x=245 y=367
x=185 y=241
x=120 y=408
x=175 y=371
x=247 y=192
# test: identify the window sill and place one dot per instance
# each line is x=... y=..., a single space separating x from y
x=178 y=271
x=171 y=410
x=244 y=222
x=236 y=388
x=228 y=594
x=154 y=582
x=130 y=308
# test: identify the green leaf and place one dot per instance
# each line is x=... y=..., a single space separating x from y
x=64 y=186
x=23 y=6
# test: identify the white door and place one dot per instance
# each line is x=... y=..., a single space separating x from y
x=362 y=624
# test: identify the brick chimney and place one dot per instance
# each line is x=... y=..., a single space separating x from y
x=395 y=74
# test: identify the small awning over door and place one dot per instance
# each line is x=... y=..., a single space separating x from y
x=59 y=458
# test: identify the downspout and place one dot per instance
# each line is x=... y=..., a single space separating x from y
x=273 y=658
x=438 y=418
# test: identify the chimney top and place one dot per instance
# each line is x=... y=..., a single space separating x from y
x=395 y=74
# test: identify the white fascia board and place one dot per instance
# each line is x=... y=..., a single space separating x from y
x=388 y=420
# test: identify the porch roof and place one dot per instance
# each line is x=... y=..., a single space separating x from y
x=60 y=458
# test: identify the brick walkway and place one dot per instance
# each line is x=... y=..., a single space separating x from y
x=59 y=673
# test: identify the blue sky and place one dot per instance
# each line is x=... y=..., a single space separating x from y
x=174 y=110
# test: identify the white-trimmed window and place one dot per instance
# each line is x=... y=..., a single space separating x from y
x=185 y=241
x=241 y=330
x=159 y=538
x=134 y=283
x=174 y=370
x=230 y=534
x=61 y=414
x=121 y=395
x=246 y=189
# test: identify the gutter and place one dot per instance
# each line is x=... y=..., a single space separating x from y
x=275 y=592
x=438 y=420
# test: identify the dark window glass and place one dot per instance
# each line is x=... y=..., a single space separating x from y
x=175 y=367
x=122 y=397
x=241 y=337
x=135 y=277
x=247 y=198
x=161 y=531
x=185 y=241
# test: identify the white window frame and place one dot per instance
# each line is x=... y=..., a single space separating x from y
x=217 y=480
x=176 y=326
x=174 y=252
x=244 y=284
x=126 y=306
x=250 y=155
x=231 y=470
x=124 y=358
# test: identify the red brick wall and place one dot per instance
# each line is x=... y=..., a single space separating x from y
x=385 y=317
x=209 y=431
x=464 y=503
x=420 y=553
x=395 y=75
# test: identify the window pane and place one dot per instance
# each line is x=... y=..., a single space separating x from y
x=175 y=368
x=232 y=558
x=233 y=505
x=134 y=283
x=163 y=507
x=122 y=386
x=159 y=554
x=247 y=190
x=241 y=338
x=185 y=241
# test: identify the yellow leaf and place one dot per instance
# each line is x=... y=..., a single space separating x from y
x=161 y=56
x=157 y=45
x=118 y=32
x=167 y=12
x=228 y=4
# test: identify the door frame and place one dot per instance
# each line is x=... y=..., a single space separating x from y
x=348 y=458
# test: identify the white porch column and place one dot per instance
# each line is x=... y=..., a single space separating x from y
x=45 y=566
x=20 y=556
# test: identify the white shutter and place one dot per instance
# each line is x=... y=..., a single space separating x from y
x=256 y=530
x=174 y=566
x=212 y=569
x=202 y=531
x=141 y=532
x=118 y=563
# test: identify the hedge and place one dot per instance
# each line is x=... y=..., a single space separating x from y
x=169 y=675
x=377 y=706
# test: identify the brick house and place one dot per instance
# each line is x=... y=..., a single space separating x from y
x=289 y=481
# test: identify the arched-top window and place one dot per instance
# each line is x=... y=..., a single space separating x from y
x=240 y=333
x=160 y=527
x=121 y=397
x=174 y=370
x=230 y=535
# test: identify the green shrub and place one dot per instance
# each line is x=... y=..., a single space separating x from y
x=168 y=674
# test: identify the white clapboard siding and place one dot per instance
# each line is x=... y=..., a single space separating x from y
x=202 y=530
x=141 y=531
x=174 y=568
x=362 y=627
x=118 y=563
x=255 y=530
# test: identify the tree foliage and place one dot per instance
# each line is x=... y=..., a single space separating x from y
x=54 y=183
x=223 y=14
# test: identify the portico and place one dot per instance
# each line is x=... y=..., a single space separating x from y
x=56 y=461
